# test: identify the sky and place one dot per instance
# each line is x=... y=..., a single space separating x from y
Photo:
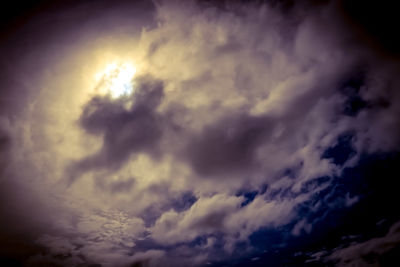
x=199 y=133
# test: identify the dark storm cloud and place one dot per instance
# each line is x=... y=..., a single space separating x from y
x=228 y=146
x=124 y=131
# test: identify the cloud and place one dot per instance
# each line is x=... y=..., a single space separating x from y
x=124 y=132
x=229 y=99
x=367 y=253
x=228 y=146
x=206 y=216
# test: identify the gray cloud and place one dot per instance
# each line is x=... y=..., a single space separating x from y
x=366 y=253
x=228 y=146
x=124 y=132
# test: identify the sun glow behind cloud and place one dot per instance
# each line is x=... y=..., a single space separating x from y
x=116 y=79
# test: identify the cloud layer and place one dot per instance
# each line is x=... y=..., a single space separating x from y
x=242 y=117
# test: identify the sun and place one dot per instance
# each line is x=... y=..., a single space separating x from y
x=116 y=79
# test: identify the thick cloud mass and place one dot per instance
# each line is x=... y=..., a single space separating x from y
x=244 y=141
x=124 y=132
x=227 y=146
